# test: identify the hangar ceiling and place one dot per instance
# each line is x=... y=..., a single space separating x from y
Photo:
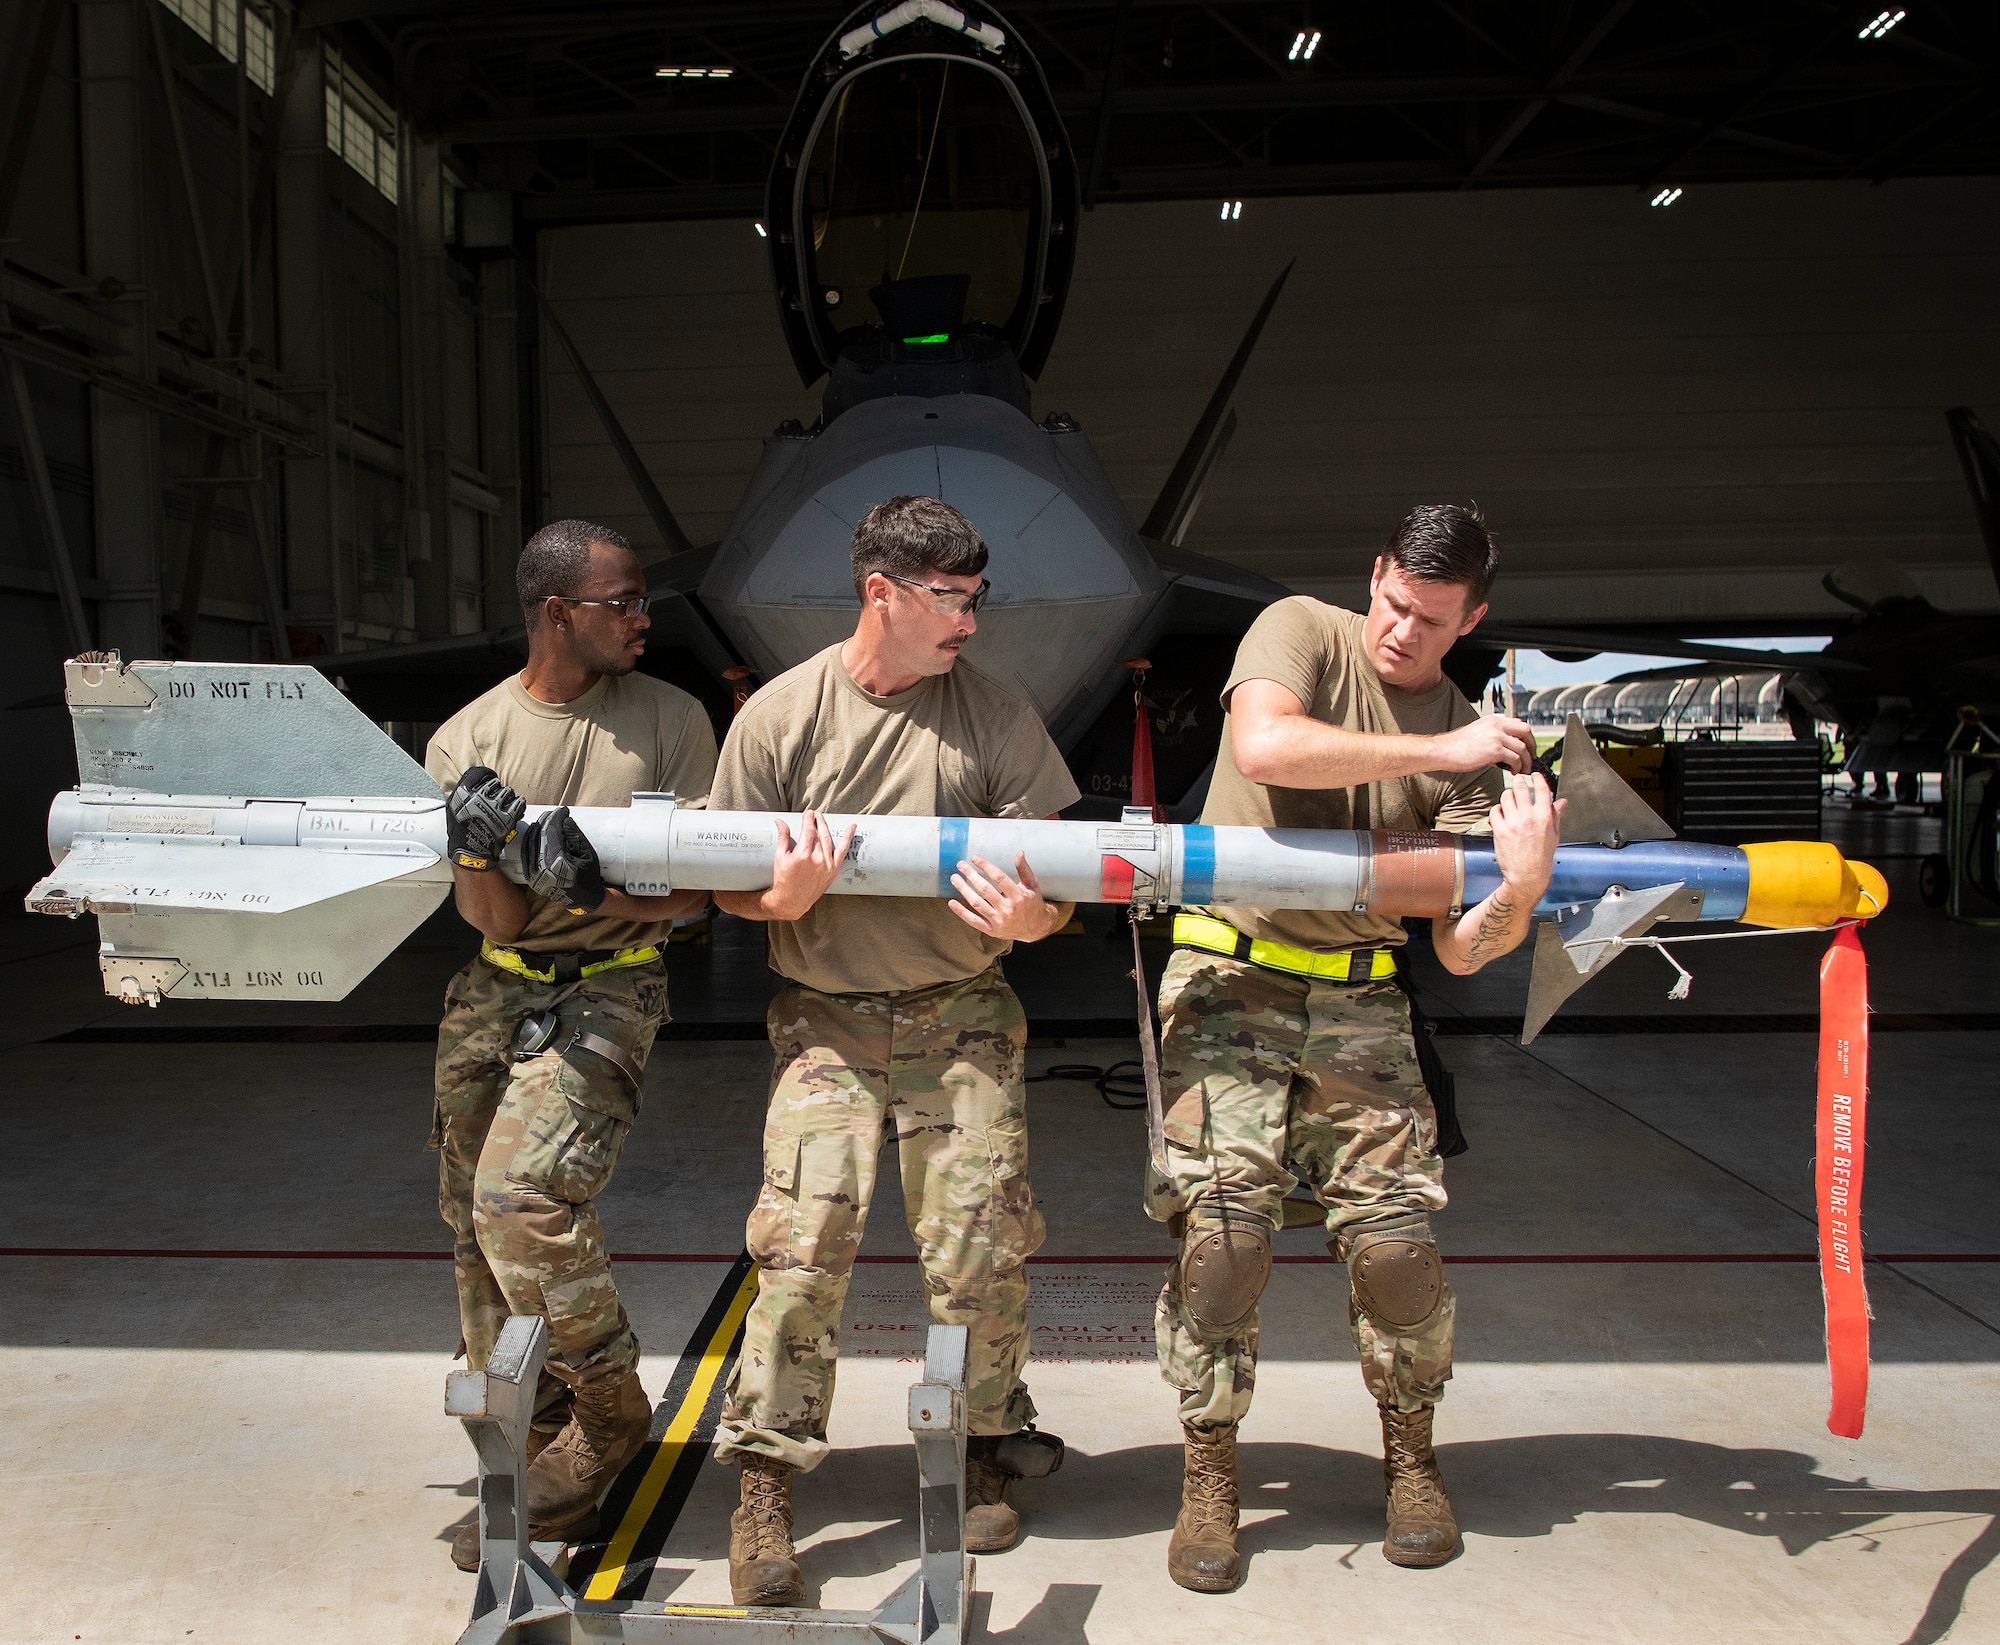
x=563 y=105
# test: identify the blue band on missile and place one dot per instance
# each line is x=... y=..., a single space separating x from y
x=1197 y=863
x=1582 y=873
x=954 y=834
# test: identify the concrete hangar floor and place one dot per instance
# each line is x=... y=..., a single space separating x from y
x=229 y=1318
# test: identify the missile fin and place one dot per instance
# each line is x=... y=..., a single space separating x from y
x=1573 y=948
x=211 y=876
x=1600 y=807
x=274 y=731
x=319 y=952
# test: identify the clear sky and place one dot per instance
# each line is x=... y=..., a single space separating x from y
x=1536 y=669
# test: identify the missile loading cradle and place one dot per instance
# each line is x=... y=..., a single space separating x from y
x=242 y=831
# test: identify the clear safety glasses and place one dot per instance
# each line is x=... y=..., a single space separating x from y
x=948 y=602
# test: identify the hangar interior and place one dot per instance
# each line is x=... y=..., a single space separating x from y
x=1680 y=295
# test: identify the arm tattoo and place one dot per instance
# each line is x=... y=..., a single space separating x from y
x=1495 y=927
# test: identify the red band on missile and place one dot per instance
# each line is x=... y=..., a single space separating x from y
x=1414 y=873
x=1838 y=1156
x=1114 y=879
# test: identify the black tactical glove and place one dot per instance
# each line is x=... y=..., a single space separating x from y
x=480 y=818
x=561 y=862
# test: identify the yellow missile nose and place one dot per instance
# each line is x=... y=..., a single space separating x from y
x=1797 y=883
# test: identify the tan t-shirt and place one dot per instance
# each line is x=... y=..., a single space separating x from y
x=955 y=745
x=627 y=734
x=1314 y=651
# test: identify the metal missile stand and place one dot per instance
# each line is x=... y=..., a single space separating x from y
x=520 y=1600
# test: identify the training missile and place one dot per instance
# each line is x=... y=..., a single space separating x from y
x=241 y=831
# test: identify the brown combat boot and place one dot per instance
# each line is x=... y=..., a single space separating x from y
x=609 y=1421
x=991 y=1521
x=1202 y=1554
x=762 y=1569
x=1422 y=1531
x=465 y=1545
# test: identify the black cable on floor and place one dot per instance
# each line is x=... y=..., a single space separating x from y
x=1112 y=1083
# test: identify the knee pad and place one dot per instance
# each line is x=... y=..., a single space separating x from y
x=1397 y=1275
x=1223 y=1272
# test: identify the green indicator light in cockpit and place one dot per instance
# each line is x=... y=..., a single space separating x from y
x=934 y=337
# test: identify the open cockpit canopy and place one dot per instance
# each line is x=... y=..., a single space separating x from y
x=923 y=195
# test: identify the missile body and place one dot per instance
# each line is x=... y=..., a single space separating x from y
x=128 y=856
x=271 y=890
x=334 y=844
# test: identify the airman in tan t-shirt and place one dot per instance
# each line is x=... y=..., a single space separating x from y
x=1284 y=1069
x=897 y=1023
x=542 y=1052
x=952 y=745
x=1314 y=651
x=628 y=734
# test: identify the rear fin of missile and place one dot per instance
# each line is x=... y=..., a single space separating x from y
x=206 y=875
x=1600 y=808
x=318 y=952
x=271 y=731
x=1573 y=948
x=1173 y=509
x=1979 y=455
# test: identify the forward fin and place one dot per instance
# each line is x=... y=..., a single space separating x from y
x=1600 y=807
x=1573 y=948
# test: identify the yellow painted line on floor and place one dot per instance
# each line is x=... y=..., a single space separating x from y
x=604 y=1582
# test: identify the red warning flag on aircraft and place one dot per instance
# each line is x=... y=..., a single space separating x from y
x=1839 y=1154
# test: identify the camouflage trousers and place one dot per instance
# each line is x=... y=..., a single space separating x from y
x=1274 y=1080
x=938 y=1070
x=524 y=1150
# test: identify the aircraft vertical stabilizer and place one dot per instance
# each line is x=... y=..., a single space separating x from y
x=1980 y=455
x=1173 y=510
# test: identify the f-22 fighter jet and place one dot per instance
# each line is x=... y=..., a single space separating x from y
x=923 y=211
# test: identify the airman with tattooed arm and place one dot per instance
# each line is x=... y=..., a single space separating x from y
x=1287 y=1049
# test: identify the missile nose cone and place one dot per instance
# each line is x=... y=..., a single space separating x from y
x=1868 y=891
x=1799 y=883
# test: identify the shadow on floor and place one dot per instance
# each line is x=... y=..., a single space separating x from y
x=1331 y=1499
x=1057 y=1618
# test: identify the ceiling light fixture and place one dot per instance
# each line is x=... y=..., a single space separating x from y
x=684 y=71
x=1312 y=46
x=1298 y=46
x=1231 y=210
x=760 y=232
x=1882 y=25
x=1666 y=197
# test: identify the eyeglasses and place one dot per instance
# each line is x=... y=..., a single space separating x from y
x=949 y=602
x=636 y=606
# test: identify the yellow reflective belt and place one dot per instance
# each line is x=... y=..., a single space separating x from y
x=1220 y=937
x=512 y=959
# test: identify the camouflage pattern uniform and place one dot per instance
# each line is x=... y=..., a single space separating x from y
x=525 y=1148
x=1283 y=1079
x=939 y=1070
